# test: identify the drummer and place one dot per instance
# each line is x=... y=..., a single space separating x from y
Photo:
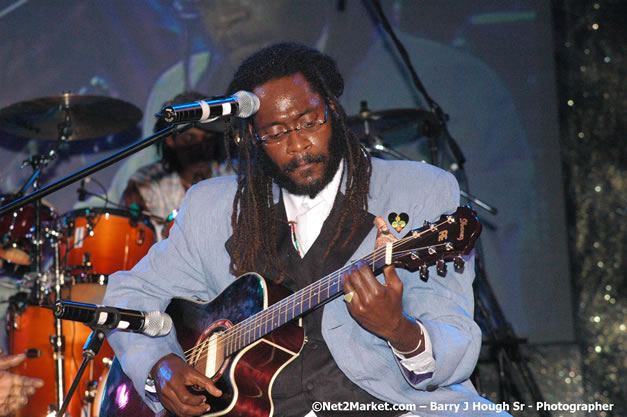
x=186 y=158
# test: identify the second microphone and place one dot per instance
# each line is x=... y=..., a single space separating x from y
x=153 y=323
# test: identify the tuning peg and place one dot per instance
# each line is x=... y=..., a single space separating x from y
x=458 y=262
x=424 y=273
x=441 y=268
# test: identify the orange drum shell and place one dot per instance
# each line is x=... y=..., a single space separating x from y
x=117 y=243
x=32 y=329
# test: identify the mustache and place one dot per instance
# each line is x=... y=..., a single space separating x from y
x=304 y=159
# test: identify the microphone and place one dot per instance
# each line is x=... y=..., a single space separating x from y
x=82 y=191
x=153 y=323
x=241 y=104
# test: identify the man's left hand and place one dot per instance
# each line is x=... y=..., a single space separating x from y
x=378 y=307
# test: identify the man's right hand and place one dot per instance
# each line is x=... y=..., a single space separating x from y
x=172 y=377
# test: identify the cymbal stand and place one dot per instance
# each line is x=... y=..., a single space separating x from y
x=374 y=142
x=38 y=162
x=58 y=339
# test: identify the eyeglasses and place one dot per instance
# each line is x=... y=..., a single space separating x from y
x=275 y=134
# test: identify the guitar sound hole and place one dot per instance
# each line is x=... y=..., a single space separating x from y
x=209 y=358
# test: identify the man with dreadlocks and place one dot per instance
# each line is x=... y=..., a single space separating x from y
x=301 y=207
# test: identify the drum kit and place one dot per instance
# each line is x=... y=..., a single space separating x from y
x=85 y=245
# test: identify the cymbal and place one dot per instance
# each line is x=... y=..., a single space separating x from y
x=385 y=121
x=90 y=116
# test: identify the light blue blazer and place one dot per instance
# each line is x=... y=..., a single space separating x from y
x=194 y=263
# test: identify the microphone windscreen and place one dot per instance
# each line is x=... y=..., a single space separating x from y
x=248 y=103
x=157 y=323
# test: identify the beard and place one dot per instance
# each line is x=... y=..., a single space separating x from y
x=331 y=162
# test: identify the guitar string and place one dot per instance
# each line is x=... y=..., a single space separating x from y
x=244 y=326
x=256 y=322
x=248 y=324
x=327 y=281
x=208 y=344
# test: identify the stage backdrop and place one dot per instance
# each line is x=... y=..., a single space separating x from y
x=488 y=64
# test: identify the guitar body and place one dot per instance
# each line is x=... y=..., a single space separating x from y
x=245 y=377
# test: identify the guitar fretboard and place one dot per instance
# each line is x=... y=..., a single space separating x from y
x=293 y=306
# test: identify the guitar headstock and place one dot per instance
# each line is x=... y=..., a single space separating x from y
x=451 y=236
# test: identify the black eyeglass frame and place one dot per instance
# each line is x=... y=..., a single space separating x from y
x=285 y=133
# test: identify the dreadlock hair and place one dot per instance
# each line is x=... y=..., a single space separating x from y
x=253 y=219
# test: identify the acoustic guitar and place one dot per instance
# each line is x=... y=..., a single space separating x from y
x=250 y=332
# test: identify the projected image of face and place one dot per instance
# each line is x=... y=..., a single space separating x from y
x=241 y=27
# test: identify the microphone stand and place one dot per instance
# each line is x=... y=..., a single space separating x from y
x=97 y=166
x=501 y=335
x=90 y=351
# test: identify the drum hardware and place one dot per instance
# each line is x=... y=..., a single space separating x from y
x=168 y=223
x=58 y=340
x=107 y=362
x=369 y=127
x=90 y=393
x=33 y=353
x=90 y=224
x=64 y=118
x=87 y=256
x=140 y=239
x=7 y=123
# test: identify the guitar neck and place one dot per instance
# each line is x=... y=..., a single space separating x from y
x=434 y=243
x=301 y=302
